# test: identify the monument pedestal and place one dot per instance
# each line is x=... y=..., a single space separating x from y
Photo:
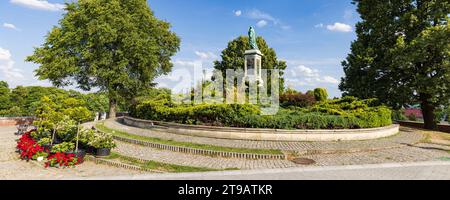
x=252 y=63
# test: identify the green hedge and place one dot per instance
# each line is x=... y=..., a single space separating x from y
x=348 y=113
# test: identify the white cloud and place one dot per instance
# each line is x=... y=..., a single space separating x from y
x=238 y=13
x=39 y=4
x=261 y=23
x=340 y=27
x=264 y=19
x=331 y=80
x=305 y=76
x=257 y=14
x=10 y=26
x=7 y=69
x=205 y=55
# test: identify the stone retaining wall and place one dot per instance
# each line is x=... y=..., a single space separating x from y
x=264 y=134
x=12 y=121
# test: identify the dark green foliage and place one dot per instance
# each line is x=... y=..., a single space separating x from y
x=118 y=46
x=347 y=112
x=398 y=115
x=5 y=101
x=401 y=55
x=24 y=100
x=320 y=94
x=233 y=57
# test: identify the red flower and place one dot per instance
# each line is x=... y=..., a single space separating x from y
x=28 y=147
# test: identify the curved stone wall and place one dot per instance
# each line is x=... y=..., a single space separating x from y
x=264 y=134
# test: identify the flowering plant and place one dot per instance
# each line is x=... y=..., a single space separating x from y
x=28 y=147
x=63 y=147
x=102 y=140
x=62 y=160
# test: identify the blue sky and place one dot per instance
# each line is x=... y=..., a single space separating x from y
x=313 y=36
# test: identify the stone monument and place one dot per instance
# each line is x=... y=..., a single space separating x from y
x=253 y=59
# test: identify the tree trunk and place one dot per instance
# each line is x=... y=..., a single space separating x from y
x=112 y=108
x=428 y=112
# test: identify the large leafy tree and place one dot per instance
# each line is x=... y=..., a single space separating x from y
x=401 y=55
x=5 y=102
x=233 y=57
x=118 y=46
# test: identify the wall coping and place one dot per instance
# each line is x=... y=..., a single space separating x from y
x=265 y=134
x=249 y=130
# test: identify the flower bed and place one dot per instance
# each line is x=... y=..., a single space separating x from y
x=59 y=139
x=29 y=149
x=60 y=155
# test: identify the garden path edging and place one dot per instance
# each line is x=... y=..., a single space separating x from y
x=265 y=134
x=205 y=152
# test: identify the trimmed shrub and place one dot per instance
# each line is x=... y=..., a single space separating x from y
x=345 y=113
x=320 y=94
x=297 y=99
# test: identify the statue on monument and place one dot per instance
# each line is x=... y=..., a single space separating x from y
x=252 y=38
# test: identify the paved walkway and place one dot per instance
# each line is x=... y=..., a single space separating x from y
x=13 y=168
x=406 y=136
x=197 y=160
x=439 y=170
x=403 y=154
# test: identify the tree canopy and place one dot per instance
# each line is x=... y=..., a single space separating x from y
x=23 y=101
x=233 y=56
x=118 y=46
x=401 y=55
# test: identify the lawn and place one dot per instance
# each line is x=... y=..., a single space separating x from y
x=154 y=165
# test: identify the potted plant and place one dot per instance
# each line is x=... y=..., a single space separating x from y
x=45 y=143
x=103 y=143
x=84 y=137
x=63 y=147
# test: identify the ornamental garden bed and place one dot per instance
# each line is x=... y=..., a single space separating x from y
x=344 y=113
x=58 y=139
x=63 y=153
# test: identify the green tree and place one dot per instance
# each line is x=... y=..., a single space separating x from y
x=233 y=57
x=96 y=102
x=5 y=102
x=320 y=94
x=401 y=55
x=118 y=46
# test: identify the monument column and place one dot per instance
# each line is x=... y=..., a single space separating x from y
x=253 y=60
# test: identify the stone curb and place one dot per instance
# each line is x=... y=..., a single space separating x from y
x=119 y=164
x=256 y=134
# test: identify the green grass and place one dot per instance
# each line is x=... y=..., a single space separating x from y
x=102 y=127
x=153 y=165
x=444 y=158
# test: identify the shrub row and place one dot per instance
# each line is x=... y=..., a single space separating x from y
x=336 y=114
